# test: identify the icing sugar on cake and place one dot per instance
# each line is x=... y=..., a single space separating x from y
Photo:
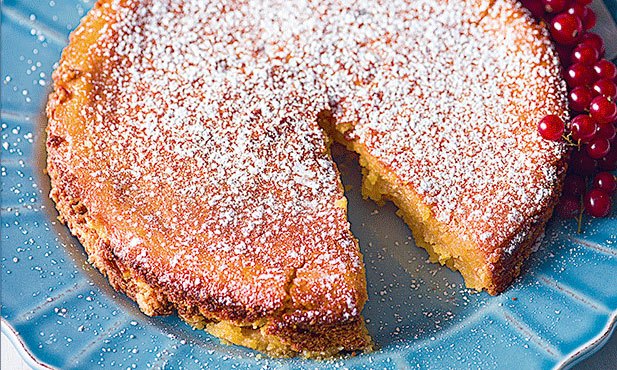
x=223 y=152
x=203 y=166
x=258 y=67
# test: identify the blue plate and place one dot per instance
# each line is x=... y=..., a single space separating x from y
x=64 y=313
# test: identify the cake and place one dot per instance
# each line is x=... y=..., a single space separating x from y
x=188 y=150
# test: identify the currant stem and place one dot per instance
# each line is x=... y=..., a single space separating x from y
x=579 y=219
x=568 y=139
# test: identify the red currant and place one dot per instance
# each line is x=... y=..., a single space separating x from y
x=583 y=128
x=606 y=88
x=583 y=2
x=585 y=54
x=535 y=7
x=573 y=186
x=603 y=110
x=590 y=38
x=551 y=127
x=568 y=207
x=606 y=131
x=554 y=6
x=606 y=182
x=609 y=161
x=578 y=10
x=597 y=203
x=579 y=98
x=589 y=19
x=582 y=164
x=564 y=52
x=566 y=28
x=579 y=74
x=598 y=147
x=605 y=69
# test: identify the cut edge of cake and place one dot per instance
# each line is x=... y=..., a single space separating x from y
x=492 y=272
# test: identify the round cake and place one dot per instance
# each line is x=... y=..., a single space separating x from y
x=188 y=150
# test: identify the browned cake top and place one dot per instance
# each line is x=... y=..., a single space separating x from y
x=202 y=158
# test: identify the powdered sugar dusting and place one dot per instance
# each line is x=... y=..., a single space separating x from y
x=214 y=107
x=217 y=122
x=454 y=112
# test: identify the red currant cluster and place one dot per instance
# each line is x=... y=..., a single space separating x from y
x=592 y=93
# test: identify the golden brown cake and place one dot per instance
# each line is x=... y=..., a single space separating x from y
x=188 y=150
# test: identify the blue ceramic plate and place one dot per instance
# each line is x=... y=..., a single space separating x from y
x=64 y=314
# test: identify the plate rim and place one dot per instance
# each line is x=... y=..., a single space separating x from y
x=577 y=355
x=590 y=347
x=18 y=342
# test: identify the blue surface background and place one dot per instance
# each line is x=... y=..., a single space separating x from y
x=66 y=315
